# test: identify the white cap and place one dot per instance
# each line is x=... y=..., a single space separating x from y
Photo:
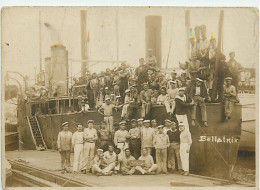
x=198 y=79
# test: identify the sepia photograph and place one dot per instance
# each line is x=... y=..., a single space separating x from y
x=129 y=97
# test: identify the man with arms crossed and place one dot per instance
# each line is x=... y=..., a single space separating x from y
x=64 y=146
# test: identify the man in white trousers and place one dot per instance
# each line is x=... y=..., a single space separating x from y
x=77 y=145
x=182 y=107
x=90 y=138
x=185 y=143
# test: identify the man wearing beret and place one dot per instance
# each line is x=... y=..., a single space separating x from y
x=198 y=93
x=77 y=145
x=90 y=138
x=121 y=136
x=147 y=135
x=229 y=97
x=64 y=147
x=161 y=143
x=134 y=139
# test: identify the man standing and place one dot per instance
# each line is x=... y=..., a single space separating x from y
x=126 y=167
x=121 y=137
x=134 y=140
x=161 y=143
x=185 y=143
x=174 y=149
x=174 y=78
x=229 y=97
x=77 y=145
x=167 y=126
x=64 y=147
x=140 y=123
x=107 y=108
x=151 y=59
x=181 y=108
x=148 y=167
x=90 y=138
x=145 y=97
x=234 y=70
x=198 y=93
x=104 y=137
x=147 y=135
x=127 y=100
x=172 y=92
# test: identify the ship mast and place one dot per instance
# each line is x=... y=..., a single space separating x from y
x=218 y=55
x=84 y=43
x=40 y=41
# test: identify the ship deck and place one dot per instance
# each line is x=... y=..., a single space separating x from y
x=51 y=164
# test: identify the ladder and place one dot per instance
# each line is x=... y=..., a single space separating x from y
x=36 y=133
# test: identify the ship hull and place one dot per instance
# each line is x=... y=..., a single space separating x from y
x=213 y=152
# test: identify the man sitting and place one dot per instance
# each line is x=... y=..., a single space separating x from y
x=100 y=165
x=148 y=167
x=112 y=160
x=126 y=167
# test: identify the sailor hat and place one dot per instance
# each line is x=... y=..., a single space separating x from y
x=140 y=119
x=181 y=124
x=181 y=89
x=160 y=126
x=198 y=79
x=106 y=88
x=145 y=83
x=167 y=120
x=154 y=121
x=100 y=150
x=122 y=123
x=90 y=121
x=172 y=81
x=118 y=96
x=127 y=90
x=80 y=125
x=65 y=123
x=147 y=121
x=228 y=78
x=133 y=121
x=173 y=72
x=107 y=99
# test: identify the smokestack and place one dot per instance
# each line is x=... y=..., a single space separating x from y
x=84 y=50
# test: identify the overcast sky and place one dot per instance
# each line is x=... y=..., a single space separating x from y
x=20 y=29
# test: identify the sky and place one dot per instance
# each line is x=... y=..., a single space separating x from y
x=21 y=41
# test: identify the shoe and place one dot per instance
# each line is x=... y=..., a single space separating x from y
x=115 y=172
x=180 y=171
x=99 y=174
x=205 y=123
x=186 y=173
x=84 y=171
x=193 y=123
x=90 y=170
x=151 y=173
x=226 y=118
x=165 y=173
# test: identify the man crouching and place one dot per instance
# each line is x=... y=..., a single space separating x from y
x=100 y=164
x=148 y=167
x=126 y=167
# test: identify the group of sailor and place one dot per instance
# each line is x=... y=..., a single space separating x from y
x=101 y=152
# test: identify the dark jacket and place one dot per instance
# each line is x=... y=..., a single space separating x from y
x=181 y=106
x=203 y=91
